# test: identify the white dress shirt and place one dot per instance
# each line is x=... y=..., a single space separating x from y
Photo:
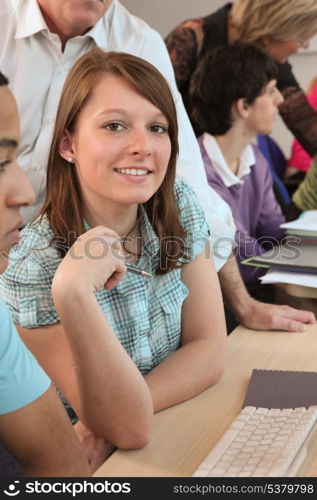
x=32 y=58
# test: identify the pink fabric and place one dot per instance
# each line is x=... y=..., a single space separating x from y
x=299 y=157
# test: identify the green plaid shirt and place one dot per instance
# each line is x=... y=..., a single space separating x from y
x=144 y=313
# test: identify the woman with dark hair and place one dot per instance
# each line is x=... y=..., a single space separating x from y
x=280 y=27
x=111 y=188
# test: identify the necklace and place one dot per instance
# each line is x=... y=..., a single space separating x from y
x=132 y=244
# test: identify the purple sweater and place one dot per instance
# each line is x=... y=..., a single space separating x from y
x=256 y=213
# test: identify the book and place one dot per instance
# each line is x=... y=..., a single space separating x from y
x=296 y=257
x=281 y=389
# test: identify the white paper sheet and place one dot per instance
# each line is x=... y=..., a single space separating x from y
x=303 y=279
x=306 y=222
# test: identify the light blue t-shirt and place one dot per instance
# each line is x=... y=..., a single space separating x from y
x=22 y=380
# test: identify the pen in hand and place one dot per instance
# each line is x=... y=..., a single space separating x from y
x=132 y=269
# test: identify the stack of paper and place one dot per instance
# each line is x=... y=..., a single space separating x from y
x=294 y=257
x=305 y=225
x=294 y=262
x=302 y=279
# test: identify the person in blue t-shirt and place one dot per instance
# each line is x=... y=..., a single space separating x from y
x=34 y=426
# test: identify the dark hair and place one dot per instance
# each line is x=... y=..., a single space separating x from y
x=225 y=75
x=3 y=80
x=63 y=204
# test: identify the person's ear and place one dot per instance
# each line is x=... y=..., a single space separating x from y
x=66 y=149
x=242 y=107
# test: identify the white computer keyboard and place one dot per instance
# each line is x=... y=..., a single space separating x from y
x=261 y=443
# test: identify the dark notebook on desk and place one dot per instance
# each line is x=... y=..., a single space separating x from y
x=281 y=389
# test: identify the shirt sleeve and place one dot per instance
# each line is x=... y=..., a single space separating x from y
x=298 y=115
x=192 y=219
x=268 y=231
x=182 y=47
x=26 y=284
x=305 y=197
x=286 y=78
x=270 y=217
x=22 y=380
x=190 y=166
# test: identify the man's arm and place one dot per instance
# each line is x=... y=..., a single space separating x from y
x=42 y=440
x=254 y=314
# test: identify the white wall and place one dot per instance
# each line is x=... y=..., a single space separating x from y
x=164 y=15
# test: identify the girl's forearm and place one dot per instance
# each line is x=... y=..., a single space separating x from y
x=188 y=371
x=114 y=400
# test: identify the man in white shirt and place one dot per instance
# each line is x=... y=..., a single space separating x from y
x=39 y=42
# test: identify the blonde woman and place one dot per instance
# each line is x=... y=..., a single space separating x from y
x=281 y=27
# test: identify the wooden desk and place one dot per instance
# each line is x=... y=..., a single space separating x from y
x=183 y=435
x=301 y=291
x=300 y=297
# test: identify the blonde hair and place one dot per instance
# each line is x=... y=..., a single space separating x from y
x=281 y=19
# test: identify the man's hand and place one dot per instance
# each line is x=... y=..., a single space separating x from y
x=254 y=314
x=262 y=316
x=96 y=448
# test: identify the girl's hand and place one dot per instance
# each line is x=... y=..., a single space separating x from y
x=95 y=260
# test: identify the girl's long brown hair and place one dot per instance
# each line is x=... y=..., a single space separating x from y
x=63 y=204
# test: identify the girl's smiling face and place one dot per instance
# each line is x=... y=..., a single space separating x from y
x=120 y=146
